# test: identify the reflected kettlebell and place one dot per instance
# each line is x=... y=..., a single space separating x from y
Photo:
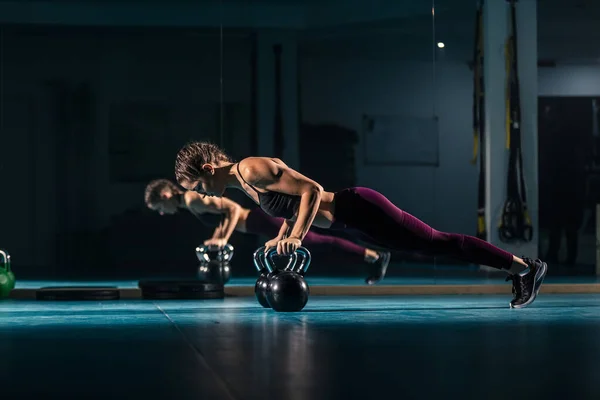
x=207 y=254
x=214 y=263
x=7 y=277
x=214 y=272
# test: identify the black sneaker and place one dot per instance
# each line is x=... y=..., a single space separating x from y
x=516 y=287
x=378 y=269
x=527 y=287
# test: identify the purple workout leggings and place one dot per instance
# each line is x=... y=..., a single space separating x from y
x=372 y=214
x=260 y=223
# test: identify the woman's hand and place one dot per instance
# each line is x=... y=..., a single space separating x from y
x=271 y=244
x=288 y=246
x=220 y=243
x=284 y=247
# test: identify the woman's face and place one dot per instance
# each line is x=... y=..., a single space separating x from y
x=206 y=184
x=167 y=204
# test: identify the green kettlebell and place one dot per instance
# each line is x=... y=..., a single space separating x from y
x=7 y=277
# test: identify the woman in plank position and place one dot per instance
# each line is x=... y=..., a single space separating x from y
x=285 y=193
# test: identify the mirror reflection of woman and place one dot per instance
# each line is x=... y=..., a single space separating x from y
x=285 y=193
x=227 y=216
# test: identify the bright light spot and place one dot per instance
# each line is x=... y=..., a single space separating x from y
x=441 y=45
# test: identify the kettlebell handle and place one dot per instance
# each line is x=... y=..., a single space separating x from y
x=262 y=260
x=226 y=252
x=257 y=257
x=5 y=260
x=268 y=260
x=303 y=267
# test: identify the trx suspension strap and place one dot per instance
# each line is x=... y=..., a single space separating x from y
x=254 y=96
x=479 y=120
x=515 y=224
x=278 y=127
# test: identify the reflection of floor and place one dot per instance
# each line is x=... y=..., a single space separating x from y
x=463 y=347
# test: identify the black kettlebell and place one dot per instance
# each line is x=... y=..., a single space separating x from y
x=214 y=272
x=287 y=292
x=214 y=263
x=262 y=283
x=283 y=290
x=260 y=289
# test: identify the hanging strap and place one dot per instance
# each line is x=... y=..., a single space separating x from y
x=515 y=224
x=479 y=120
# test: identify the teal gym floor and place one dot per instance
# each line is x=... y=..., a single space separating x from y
x=338 y=347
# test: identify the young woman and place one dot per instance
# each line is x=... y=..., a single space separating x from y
x=227 y=216
x=283 y=192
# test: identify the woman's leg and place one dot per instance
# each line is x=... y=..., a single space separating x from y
x=262 y=224
x=378 y=260
x=380 y=219
x=373 y=214
x=315 y=239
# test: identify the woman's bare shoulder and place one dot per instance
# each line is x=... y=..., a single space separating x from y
x=257 y=168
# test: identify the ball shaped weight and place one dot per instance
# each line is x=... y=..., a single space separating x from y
x=260 y=290
x=214 y=272
x=220 y=272
x=203 y=275
x=7 y=277
x=5 y=284
x=12 y=279
x=287 y=292
x=270 y=276
x=225 y=273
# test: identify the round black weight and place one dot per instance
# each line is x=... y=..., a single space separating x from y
x=270 y=276
x=287 y=292
x=225 y=273
x=78 y=293
x=260 y=290
x=214 y=272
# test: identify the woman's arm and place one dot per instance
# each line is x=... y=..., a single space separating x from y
x=309 y=206
x=222 y=205
x=266 y=174
x=284 y=231
x=232 y=212
x=218 y=233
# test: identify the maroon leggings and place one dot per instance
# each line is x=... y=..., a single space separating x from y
x=259 y=223
x=370 y=213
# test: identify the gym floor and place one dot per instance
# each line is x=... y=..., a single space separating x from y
x=338 y=347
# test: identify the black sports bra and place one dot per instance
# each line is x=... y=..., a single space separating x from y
x=275 y=204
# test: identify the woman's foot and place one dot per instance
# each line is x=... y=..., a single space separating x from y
x=378 y=267
x=527 y=286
